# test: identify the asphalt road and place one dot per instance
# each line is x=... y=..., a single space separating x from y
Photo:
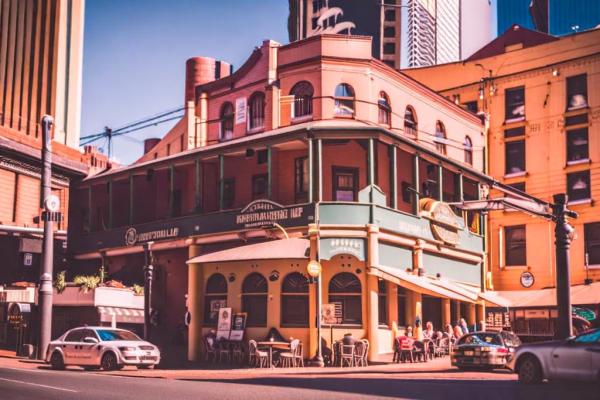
x=40 y=384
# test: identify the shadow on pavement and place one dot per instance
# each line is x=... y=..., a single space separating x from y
x=428 y=389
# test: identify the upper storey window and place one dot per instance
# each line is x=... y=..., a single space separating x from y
x=410 y=121
x=514 y=106
x=468 y=147
x=303 y=94
x=344 y=100
x=256 y=109
x=226 y=117
x=440 y=138
x=577 y=92
x=385 y=110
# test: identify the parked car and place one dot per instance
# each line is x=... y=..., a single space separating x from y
x=485 y=350
x=575 y=358
x=101 y=347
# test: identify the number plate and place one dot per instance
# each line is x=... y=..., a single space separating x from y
x=468 y=353
x=148 y=358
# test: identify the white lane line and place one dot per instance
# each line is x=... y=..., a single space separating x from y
x=40 y=385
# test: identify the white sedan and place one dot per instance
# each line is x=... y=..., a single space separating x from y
x=101 y=347
x=576 y=358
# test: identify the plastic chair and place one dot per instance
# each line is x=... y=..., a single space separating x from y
x=299 y=357
x=420 y=351
x=405 y=347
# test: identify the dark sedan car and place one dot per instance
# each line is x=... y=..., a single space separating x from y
x=485 y=350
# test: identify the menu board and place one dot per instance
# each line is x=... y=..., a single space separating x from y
x=238 y=327
x=224 y=324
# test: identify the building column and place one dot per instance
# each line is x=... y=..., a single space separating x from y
x=415 y=184
x=457 y=312
x=311 y=171
x=373 y=292
x=472 y=317
x=319 y=170
x=195 y=305
x=313 y=233
x=480 y=315
x=221 y=181
x=394 y=177
x=198 y=185
x=415 y=308
x=392 y=305
x=440 y=183
x=446 y=314
x=418 y=256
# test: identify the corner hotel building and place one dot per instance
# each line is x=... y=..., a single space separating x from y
x=309 y=151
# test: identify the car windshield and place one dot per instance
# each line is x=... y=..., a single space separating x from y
x=108 y=335
x=589 y=337
x=481 y=339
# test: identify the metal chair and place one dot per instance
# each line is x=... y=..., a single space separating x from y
x=287 y=359
x=347 y=355
x=209 y=349
x=419 y=351
x=405 y=349
x=361 y=350
x=299 y=357
x=237 y=352
x=224 y=351
x=256 y=357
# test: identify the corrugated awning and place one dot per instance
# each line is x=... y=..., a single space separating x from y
x=580 y=295
x=122 y=315
x=422 y=284
x=284 y=248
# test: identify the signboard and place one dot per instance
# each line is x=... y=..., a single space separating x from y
x=497 y=319
x=215 y=306
x=527 y=279
x=444 y=223
x=240 y=110
x=266 y=212
x=133 y=237
x=331 y=314
x=27 y=259
x=17 y=313
x=545 y=314
x=332 y=247
x=224 y=324
x=238 y=327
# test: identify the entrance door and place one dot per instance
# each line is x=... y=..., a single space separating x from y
x=432 y=311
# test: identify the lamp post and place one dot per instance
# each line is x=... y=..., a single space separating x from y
x=148 y=278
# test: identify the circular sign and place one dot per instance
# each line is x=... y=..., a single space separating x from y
x=52 y=203
x=444 y=222
x=313 y=268
x=131 y=236
x=527 y=279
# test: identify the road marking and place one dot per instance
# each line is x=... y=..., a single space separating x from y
x=40 y=385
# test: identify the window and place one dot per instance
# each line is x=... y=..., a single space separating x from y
x=259 y=186
x=344 y=100
x=514 y=132
x=215 y=297
x=301 y=179
x=518 y=185
x=226 y=121
x=256 y=111
x=402 y=307
x=514 y=109
x=254 y=299
x=345 y=184
x=578 y=186
x=382 y=302
x=440 y=138
x=390 y=15
x=591 y=233
x=468 y=147
x=345 y=290
x=389 y=48
x=410 y=121
x=515 y=157
x=515 y=245
x=407 y=193
x=576 y=119
x=577 y=145
x=390 y=63
x=294 y=300
x=385 y=110
x=389 y=32
x=228 y=192
x=75 y=336
x=577 y=92
x=303 y=95
x=262 y=156
x=471 y=106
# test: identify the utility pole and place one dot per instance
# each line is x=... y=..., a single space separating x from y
x=563 y=234
x=148 y=277
x=50 y=213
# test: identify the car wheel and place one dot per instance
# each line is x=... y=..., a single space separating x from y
x=146 y=366
x=56 y=361
x=109 y=362
x=530 y=371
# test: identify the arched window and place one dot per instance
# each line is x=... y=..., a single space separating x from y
x=226 y=117
x=410 y=121
x=256 y=111
x=440 y=137
x=344 y=100
x=254 y=299
x=294 y=300
x=345 y=289
x=215 y=297
x=468 y=145
x=303 y=95
x=385 y=110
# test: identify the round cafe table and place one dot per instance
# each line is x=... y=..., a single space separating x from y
x=270 y=345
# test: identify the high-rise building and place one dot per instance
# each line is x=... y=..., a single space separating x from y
x=406 y=33
x=557 y=17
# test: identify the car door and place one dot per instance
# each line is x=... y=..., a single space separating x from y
x=571 y=360
x=86 y=351
x=592 y=341
x=70 y=346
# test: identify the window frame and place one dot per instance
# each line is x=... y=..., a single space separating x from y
x=337 y=170
x=209 y=295
x=595 y=262
x=508 y=258
x=301 y=172
x=304 y=296
x=509 y=107
x=507 y=146
x=569 y=94
x=384 y=109
x=579 y=199
x=440 y=138
x=383 y=317
x=468 y=150
x=408 y=129
x=228 y=200
x=255 y=179
x=344 y=297
x=226 y=118
x=570 y=148
x=253 y=296
x=256 y=113
x=303 y=105
x=341 y=100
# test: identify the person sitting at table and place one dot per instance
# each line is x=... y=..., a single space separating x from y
x=409 y=331
x=457 y=332
x=428 y=332
x=463 y=326
x=448 y=330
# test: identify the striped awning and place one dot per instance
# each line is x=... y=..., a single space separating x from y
x=121 y=315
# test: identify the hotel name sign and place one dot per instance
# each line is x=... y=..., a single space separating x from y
x=443 y=220
x=261 y=213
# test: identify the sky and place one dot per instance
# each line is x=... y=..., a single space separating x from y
x=135 y=51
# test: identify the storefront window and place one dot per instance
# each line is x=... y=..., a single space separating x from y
x=578 y=186
x=382 y=300
x=294 y=300
x=345 y=289
x=215 y=298
x=345 y=184
x=514 y=104
x=254 y=299
x=577 y=92
x=592 y=243
x=402 y=306
x=515 y=245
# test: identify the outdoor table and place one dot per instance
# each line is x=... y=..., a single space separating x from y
x=270 y=345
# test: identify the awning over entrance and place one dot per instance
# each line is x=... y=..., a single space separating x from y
x=284 y=248
x=425 y=285
x=121 y=315
x=580 y=295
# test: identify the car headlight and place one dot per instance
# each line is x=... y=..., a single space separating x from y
x=127 y=348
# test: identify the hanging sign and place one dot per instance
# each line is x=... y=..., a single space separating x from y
x=444 y=223
x=27 y=259
x=240 y=110
x=527 y=279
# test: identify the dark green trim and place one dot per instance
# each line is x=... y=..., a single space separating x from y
x=198 y=185
x=221 y=181
x=269 y=172
x=311 y=171
x=394 y=176
x=371 y=163
x=440 y=182
x=416 y=188
x=320 y=169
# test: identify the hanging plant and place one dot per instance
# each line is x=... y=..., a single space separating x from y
x=60 y=282
x=86 y=282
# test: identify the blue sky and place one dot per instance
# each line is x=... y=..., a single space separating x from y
x=135 y=53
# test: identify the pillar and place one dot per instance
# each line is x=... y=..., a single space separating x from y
x=373 y=292
x=440 y=183
x=393 y=177
x=195 y=305
x=446 y=314
x=221 y=181
x=198 y=185
x=392 y=306
x=418 y=256
x=110 y=203
x=472 y=317
x=203 y=120
x=131 y=199
x=415 y=301
x=319 y=170
x=311 y=171
x=416 y=196
x=269 y=173
x=313 y=233
x=480 y=315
